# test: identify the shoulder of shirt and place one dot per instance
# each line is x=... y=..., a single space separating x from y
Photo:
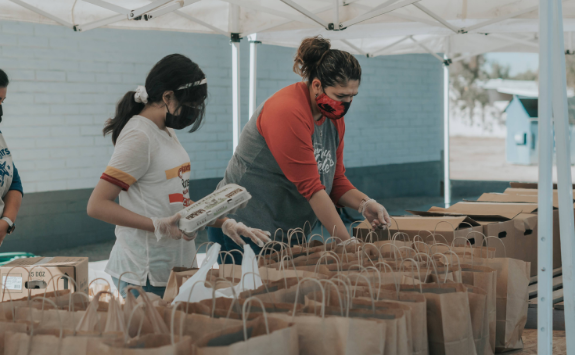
x=137 y=124
x=291 y=100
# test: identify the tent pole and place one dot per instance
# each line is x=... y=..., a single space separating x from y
x=253 y=73
x=545 y=186
x=236 y=91
x=446 y=163
x=564 y=182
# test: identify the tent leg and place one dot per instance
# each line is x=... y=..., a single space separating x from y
x=565 y=187
x=446 y=163
x=253 y=75
x=545 y=186
x=236 y=92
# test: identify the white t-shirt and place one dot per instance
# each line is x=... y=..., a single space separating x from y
x=153 y=170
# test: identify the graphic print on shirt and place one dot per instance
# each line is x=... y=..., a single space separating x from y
x=5 y=166
x=4 y=171
x=183 y=173
x=324 y=158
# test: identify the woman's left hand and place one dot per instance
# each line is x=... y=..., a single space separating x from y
x=376 y=214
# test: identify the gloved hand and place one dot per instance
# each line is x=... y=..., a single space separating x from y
x=375 y=214
x=167 y=227
x=234 y=230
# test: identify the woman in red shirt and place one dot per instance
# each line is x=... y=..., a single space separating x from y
x=290 y=153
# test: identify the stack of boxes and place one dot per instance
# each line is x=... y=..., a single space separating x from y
x=510 y=217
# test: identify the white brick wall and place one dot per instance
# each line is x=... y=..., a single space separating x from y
x=65 y=84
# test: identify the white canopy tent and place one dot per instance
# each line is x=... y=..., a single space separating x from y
x=380 y=27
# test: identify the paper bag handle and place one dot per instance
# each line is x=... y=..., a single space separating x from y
x=32 y=324
x=244 y=316
x=504 y=249
x=55 y=288
x=413 y=276
x=395 y=251
x=297 y=295
x=348 y=293
x=120 y=281
x=392 y=273
x=434 y=267
x=325 y=256
x=207 y=244
x=370 y=289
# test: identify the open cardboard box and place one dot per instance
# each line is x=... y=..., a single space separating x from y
x=449 y=227
x=39 y=275
x=514 y=224
x=529 y=185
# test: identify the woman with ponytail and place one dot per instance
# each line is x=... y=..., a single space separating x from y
x=149 y=171
x=290 y=153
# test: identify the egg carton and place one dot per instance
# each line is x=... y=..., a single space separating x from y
x=224 y=201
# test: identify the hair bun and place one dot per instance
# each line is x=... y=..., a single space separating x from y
x=310 y=54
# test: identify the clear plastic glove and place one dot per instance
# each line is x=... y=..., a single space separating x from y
x=168 y=227
x=376 y=214
x=234 y=230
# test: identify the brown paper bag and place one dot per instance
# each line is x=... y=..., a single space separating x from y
x=114 y=318
x=448 y=317
x=258 y=336
x=512 y=299
x=397 y=321
x=144 y=313
x=479 y=322
x=10 y=327
x=56 y=319
x=418 y=305
x=23 y=344
x=8 y=307
x=195 y=325
x=486 y=279
x=151 y=344
x=336 y=335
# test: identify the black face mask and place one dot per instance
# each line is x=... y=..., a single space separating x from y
x=0 y=113
x=185 y=118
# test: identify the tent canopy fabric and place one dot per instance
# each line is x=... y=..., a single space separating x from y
x=368 y=27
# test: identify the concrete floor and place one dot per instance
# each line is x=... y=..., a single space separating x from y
x=477 y=158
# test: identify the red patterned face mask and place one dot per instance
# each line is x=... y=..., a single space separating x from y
x=331 y=108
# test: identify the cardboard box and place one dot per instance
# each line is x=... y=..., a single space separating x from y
x=422 y=224
x=515 y=224
x=34 y=275
x=505 y=197
x=529 y=185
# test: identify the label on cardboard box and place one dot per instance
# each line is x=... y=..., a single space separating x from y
x=13 y=282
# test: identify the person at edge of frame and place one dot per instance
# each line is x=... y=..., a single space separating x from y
x=10 y=183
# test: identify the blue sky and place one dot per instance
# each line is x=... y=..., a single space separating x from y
x=518 y=62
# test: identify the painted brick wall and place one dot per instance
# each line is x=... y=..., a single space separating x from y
x=64 y=85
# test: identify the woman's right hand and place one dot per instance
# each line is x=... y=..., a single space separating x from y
x=235 y=230
x=168 y=227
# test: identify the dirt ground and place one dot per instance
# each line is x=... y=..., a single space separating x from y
x=530 y=343
x=477 y=158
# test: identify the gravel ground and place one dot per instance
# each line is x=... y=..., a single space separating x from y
x=477 y=158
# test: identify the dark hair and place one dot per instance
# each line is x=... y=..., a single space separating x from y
x=316 y=59
x=169 y=74
x=3 y=79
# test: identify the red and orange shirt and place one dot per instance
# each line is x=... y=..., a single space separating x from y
x=153 y=170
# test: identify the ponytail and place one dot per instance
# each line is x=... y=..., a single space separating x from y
x=315 y=59
x=126 y=108
x=174 y=72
